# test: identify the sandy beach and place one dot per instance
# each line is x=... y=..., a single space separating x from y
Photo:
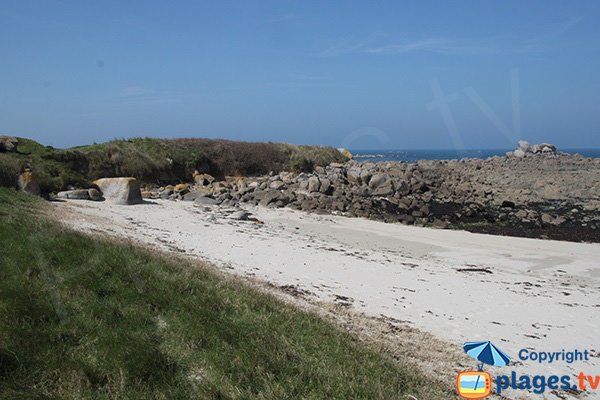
x=519 y=293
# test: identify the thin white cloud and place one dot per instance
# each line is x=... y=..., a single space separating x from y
x=382 y=44
x=436 y=45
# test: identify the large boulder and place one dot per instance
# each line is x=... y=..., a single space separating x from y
x=28 y=184
x=120 y=190
x=8 y=143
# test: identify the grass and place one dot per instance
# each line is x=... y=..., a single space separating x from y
x=162 y=161
x=84 y=318
x=9 y=170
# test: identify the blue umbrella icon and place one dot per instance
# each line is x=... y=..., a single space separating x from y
x=486 y=353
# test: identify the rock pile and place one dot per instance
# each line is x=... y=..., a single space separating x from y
x=524 y=149
x=517 y=191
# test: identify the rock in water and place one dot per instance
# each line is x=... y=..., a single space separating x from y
x=28 y=184
x=120 y=190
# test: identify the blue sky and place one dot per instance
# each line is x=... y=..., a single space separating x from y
x=353 y=74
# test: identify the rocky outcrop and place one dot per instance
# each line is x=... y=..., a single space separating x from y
x=120 y=190
x=524 y=149
x=530 y=194
x=8 y=144
x=28 y=184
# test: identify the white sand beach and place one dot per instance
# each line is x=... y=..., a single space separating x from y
x=519 y=293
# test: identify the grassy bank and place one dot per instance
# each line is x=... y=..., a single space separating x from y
x=83 y=318
x=159 y=161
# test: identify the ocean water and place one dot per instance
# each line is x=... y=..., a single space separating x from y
x=414 y=155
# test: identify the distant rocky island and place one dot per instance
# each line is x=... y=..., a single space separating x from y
x=533 y=191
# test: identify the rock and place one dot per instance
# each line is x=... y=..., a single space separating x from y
x=519 y=153
x=521 y=214
x=192 y=196
x=507 y=204
x=365 y=176
x=120 y=190
x=377 y=180
x=240 y=215
x=303 y=186
x=28 y=184
x=559 y=220
x=181 y=188
x=267 y=198
x=95 y=195
x=206 y=201
x=440 y=224
x=353 y=175
x=381 y=185
x=314 y=184
x=277 y=185
x=166 y=193
x=77 y=194
x=547 y=218
x=203 y=179
x=548 y=148
x=525 y=149
x=8 y=144
x=325 y=187
x=523 y=145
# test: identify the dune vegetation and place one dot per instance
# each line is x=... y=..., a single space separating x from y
x=158 y=161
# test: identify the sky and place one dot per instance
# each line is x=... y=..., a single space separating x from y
x=369 y=75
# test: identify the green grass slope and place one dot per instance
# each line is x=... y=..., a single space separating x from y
x=159 y=161
x=82 y=318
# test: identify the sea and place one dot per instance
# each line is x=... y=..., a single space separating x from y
x=415 y=155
